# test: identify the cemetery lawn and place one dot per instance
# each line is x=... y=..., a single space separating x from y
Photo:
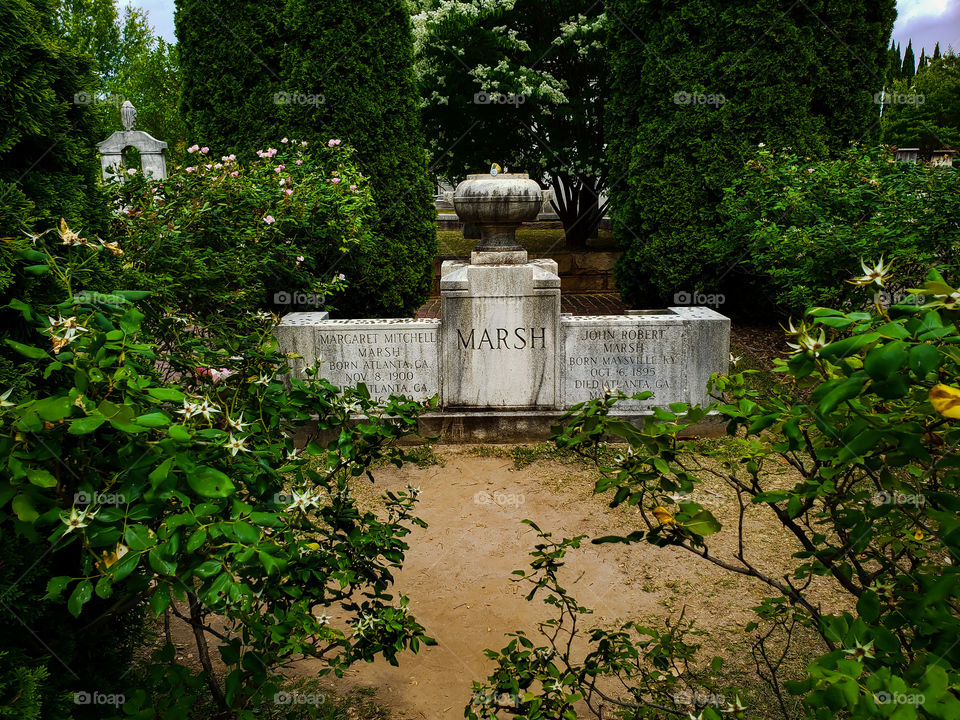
x=538 y=241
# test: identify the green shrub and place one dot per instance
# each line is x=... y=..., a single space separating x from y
x=797 y=227
x=221 y=239
x=865 y=422
x=359 y=57
x=190 y=498
x=695 y=86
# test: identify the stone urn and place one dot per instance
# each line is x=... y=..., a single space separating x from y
x=497 y=205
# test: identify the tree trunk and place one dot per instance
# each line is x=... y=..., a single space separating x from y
x=203 y=653
x=577 y=203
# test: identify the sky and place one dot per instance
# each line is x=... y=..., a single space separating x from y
x=925 y=21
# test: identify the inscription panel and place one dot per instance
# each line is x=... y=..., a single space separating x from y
x=391 y=357
x=630 y=354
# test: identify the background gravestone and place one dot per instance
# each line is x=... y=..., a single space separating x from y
x=152 y=151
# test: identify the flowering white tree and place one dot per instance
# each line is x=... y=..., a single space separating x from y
x=519 y=83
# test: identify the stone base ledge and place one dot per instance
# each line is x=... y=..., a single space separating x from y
x=508 y=427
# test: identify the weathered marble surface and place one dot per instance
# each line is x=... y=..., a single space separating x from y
x=499 y=335
x=671 y=354
x=392 y=357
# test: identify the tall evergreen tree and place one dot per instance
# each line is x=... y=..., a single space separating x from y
x=317 y=71
x=909 y=63
x=359 y=57
x=936 y=52
x=922 y=63
x=48 y=166
x=230 y=63
x=894 y=63
x=676 y=145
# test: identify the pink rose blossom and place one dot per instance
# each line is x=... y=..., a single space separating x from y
x=268 y=219
x=204 y=150
x=218 y=166
x=288 y=191
x=300 y=259
x=208 y=166
x=341 y=276
x=303 y=143
x=193 y=148
x=335 y=180
x=332 y=143
x=353 y=187
x=215 y=375
x=299 y=162
x=234 y=174
x=190 y=169
x=284 y=141
x=278 y=168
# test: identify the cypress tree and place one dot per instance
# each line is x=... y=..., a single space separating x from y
x=48 y=163
x=923 y=60
x=354 y=61
x=676 y=146
x=909 y=63
x=894 y=63
x=359 y=57
x=936 y=52
x=230 y=65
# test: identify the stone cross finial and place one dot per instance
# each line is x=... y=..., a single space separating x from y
x=128 y=115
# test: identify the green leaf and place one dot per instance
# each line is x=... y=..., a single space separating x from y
x=246 y=532
x=138 y=538
x=207 y=568
x=86 y=425
x=868 y=606
x=154 y=419
x=166 y=394
x=36 y=269
x=53 y=409
x=924 y=359
x=79 y=597
x=160 y=600
x=703 y=523
x=159 y=563
x=197 y=539
x=884 y=360
x=210 y=482
x=31 y=352
x=124 y=566
x=23 y=506
x=270 y=563
x=161 y=472
x=56 y=585
x=178 y=433
x=41 y=478
x=846 y=390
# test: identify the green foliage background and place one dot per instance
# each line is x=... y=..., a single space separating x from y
x=243 y=90
x=786 y=80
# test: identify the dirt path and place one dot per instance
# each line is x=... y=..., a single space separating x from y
x=457 y=573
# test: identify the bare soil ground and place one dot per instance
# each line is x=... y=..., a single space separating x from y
x=458 y=572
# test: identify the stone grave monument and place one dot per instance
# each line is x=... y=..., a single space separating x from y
x=504 y=360
x=152 y=151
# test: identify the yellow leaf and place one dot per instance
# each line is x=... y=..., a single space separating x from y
x=918 y=535
x=663 y=516
x=945 y=400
